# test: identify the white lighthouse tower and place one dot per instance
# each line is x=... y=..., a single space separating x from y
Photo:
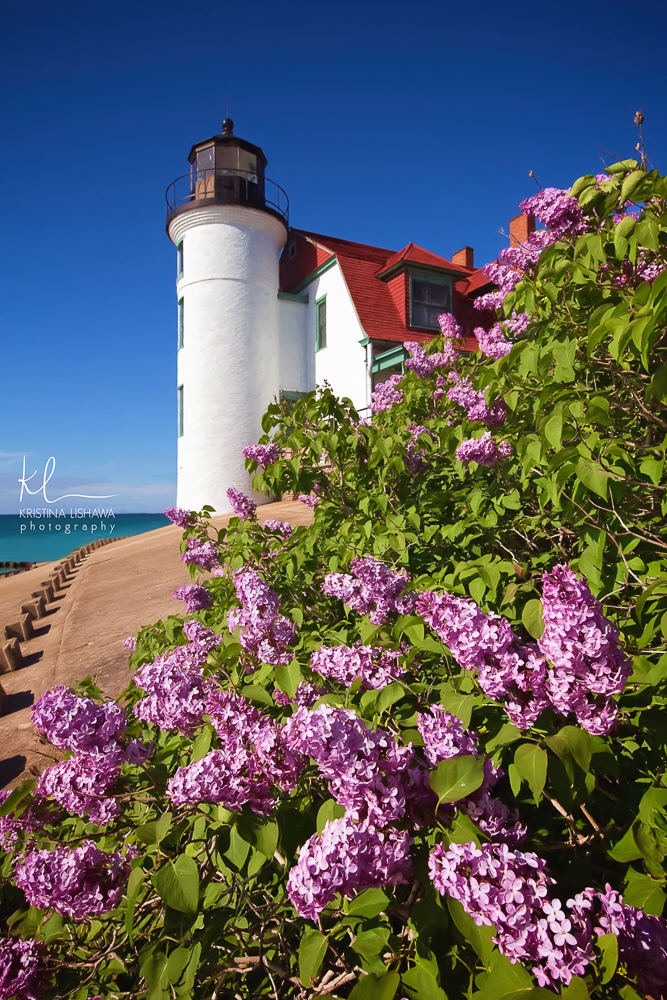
x=229 y=224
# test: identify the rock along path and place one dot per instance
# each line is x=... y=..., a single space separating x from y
x=112 y=593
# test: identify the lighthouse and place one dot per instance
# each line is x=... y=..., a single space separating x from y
x=229 y=223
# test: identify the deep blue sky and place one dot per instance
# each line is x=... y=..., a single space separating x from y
x=385 y=122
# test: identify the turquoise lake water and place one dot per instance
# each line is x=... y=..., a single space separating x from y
x=49 y=538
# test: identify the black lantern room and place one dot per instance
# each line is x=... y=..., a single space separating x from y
x=226 y=170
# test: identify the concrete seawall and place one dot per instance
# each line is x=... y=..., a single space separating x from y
x=67 y=620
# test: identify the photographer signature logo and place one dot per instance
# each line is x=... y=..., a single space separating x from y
x=49 y=470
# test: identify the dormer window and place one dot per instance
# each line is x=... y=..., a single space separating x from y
x=430 y=296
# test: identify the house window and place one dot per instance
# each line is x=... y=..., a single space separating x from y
x=179 y=260
x=180 y=323
x=321 y=336
x=180 y=411
x=430 y=296
x=292 y=251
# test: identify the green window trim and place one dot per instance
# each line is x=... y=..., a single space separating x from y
x=291 y=297
x=179 y=258
x=291 y=395
x=321 y=323
x=181 y=318
x=394 y=356
x=180 y=411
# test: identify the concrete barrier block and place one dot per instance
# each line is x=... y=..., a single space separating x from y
x=10 y=656
x=45 y=592
x=3 y=700
x=35 y=608
x=21 y=629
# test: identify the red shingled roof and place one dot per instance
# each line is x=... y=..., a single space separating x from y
x=362 y=266
x=414 y=254
x=478 y=280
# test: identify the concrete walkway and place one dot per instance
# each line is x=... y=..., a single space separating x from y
x=112 y=593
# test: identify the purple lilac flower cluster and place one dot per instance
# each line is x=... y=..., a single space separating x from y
x=415 y=457
x=484 y=450
x=310 y=499
x=344 y=664
x=130 y=642
x=510 y=889
x=82 y=784
x=557 y=210
x=642 y=937
x=202 y=554
x=178 y=515
x=305 y=695
x=196 y=597
x=372 y=589
x=474 y=401
x=421 y=363
x=20 y=968
x=174 y=683
x=241 y=505
x=263 y=454
x=264 y=632
x=444 y=736
x=507 y=669
x=364 y=767
x=493 y=343
x=76 y=883
x=345 y=858
x=284 y=527
x=71 y=722
x=387 y=395
x=589 y=665
x=253 y=758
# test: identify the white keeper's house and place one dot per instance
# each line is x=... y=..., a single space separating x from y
x=266 y=311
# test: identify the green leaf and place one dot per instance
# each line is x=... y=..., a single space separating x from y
x=312 y=949
x=201 y=744
x=288 y=677
x=458 y=704
x=507 y=980
x=368 y=903
x=457 y=777
x=593 y=477
x=266 y=838
x=508 y=734
x=575 y=990
x=53 y=928
x=644 y=892
x=532 y=619
x=178 y=960
x=421 y=985
x=631 y=183
x=238 y=848
x=153 y=833
x=572 y=744
x=389 y=696
x=531 y=763
x=154 y=971
x=177 y=884
x=608 y=945
x=16 y=795
x=553 y=429
x=625 y=849
x=479 y=938
x=134 y=884
x=372 y=941
x=328 y=810
x=376 y=986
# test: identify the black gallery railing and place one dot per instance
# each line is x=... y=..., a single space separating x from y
x=224 y=186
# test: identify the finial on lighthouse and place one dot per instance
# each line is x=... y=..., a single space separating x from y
x=228 y=127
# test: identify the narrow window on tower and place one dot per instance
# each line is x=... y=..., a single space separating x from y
x=321 y=313
x=180 y=323
x=180 y=411
x=179 y=260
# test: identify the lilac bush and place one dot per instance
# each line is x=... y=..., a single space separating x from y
x=416 y=748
